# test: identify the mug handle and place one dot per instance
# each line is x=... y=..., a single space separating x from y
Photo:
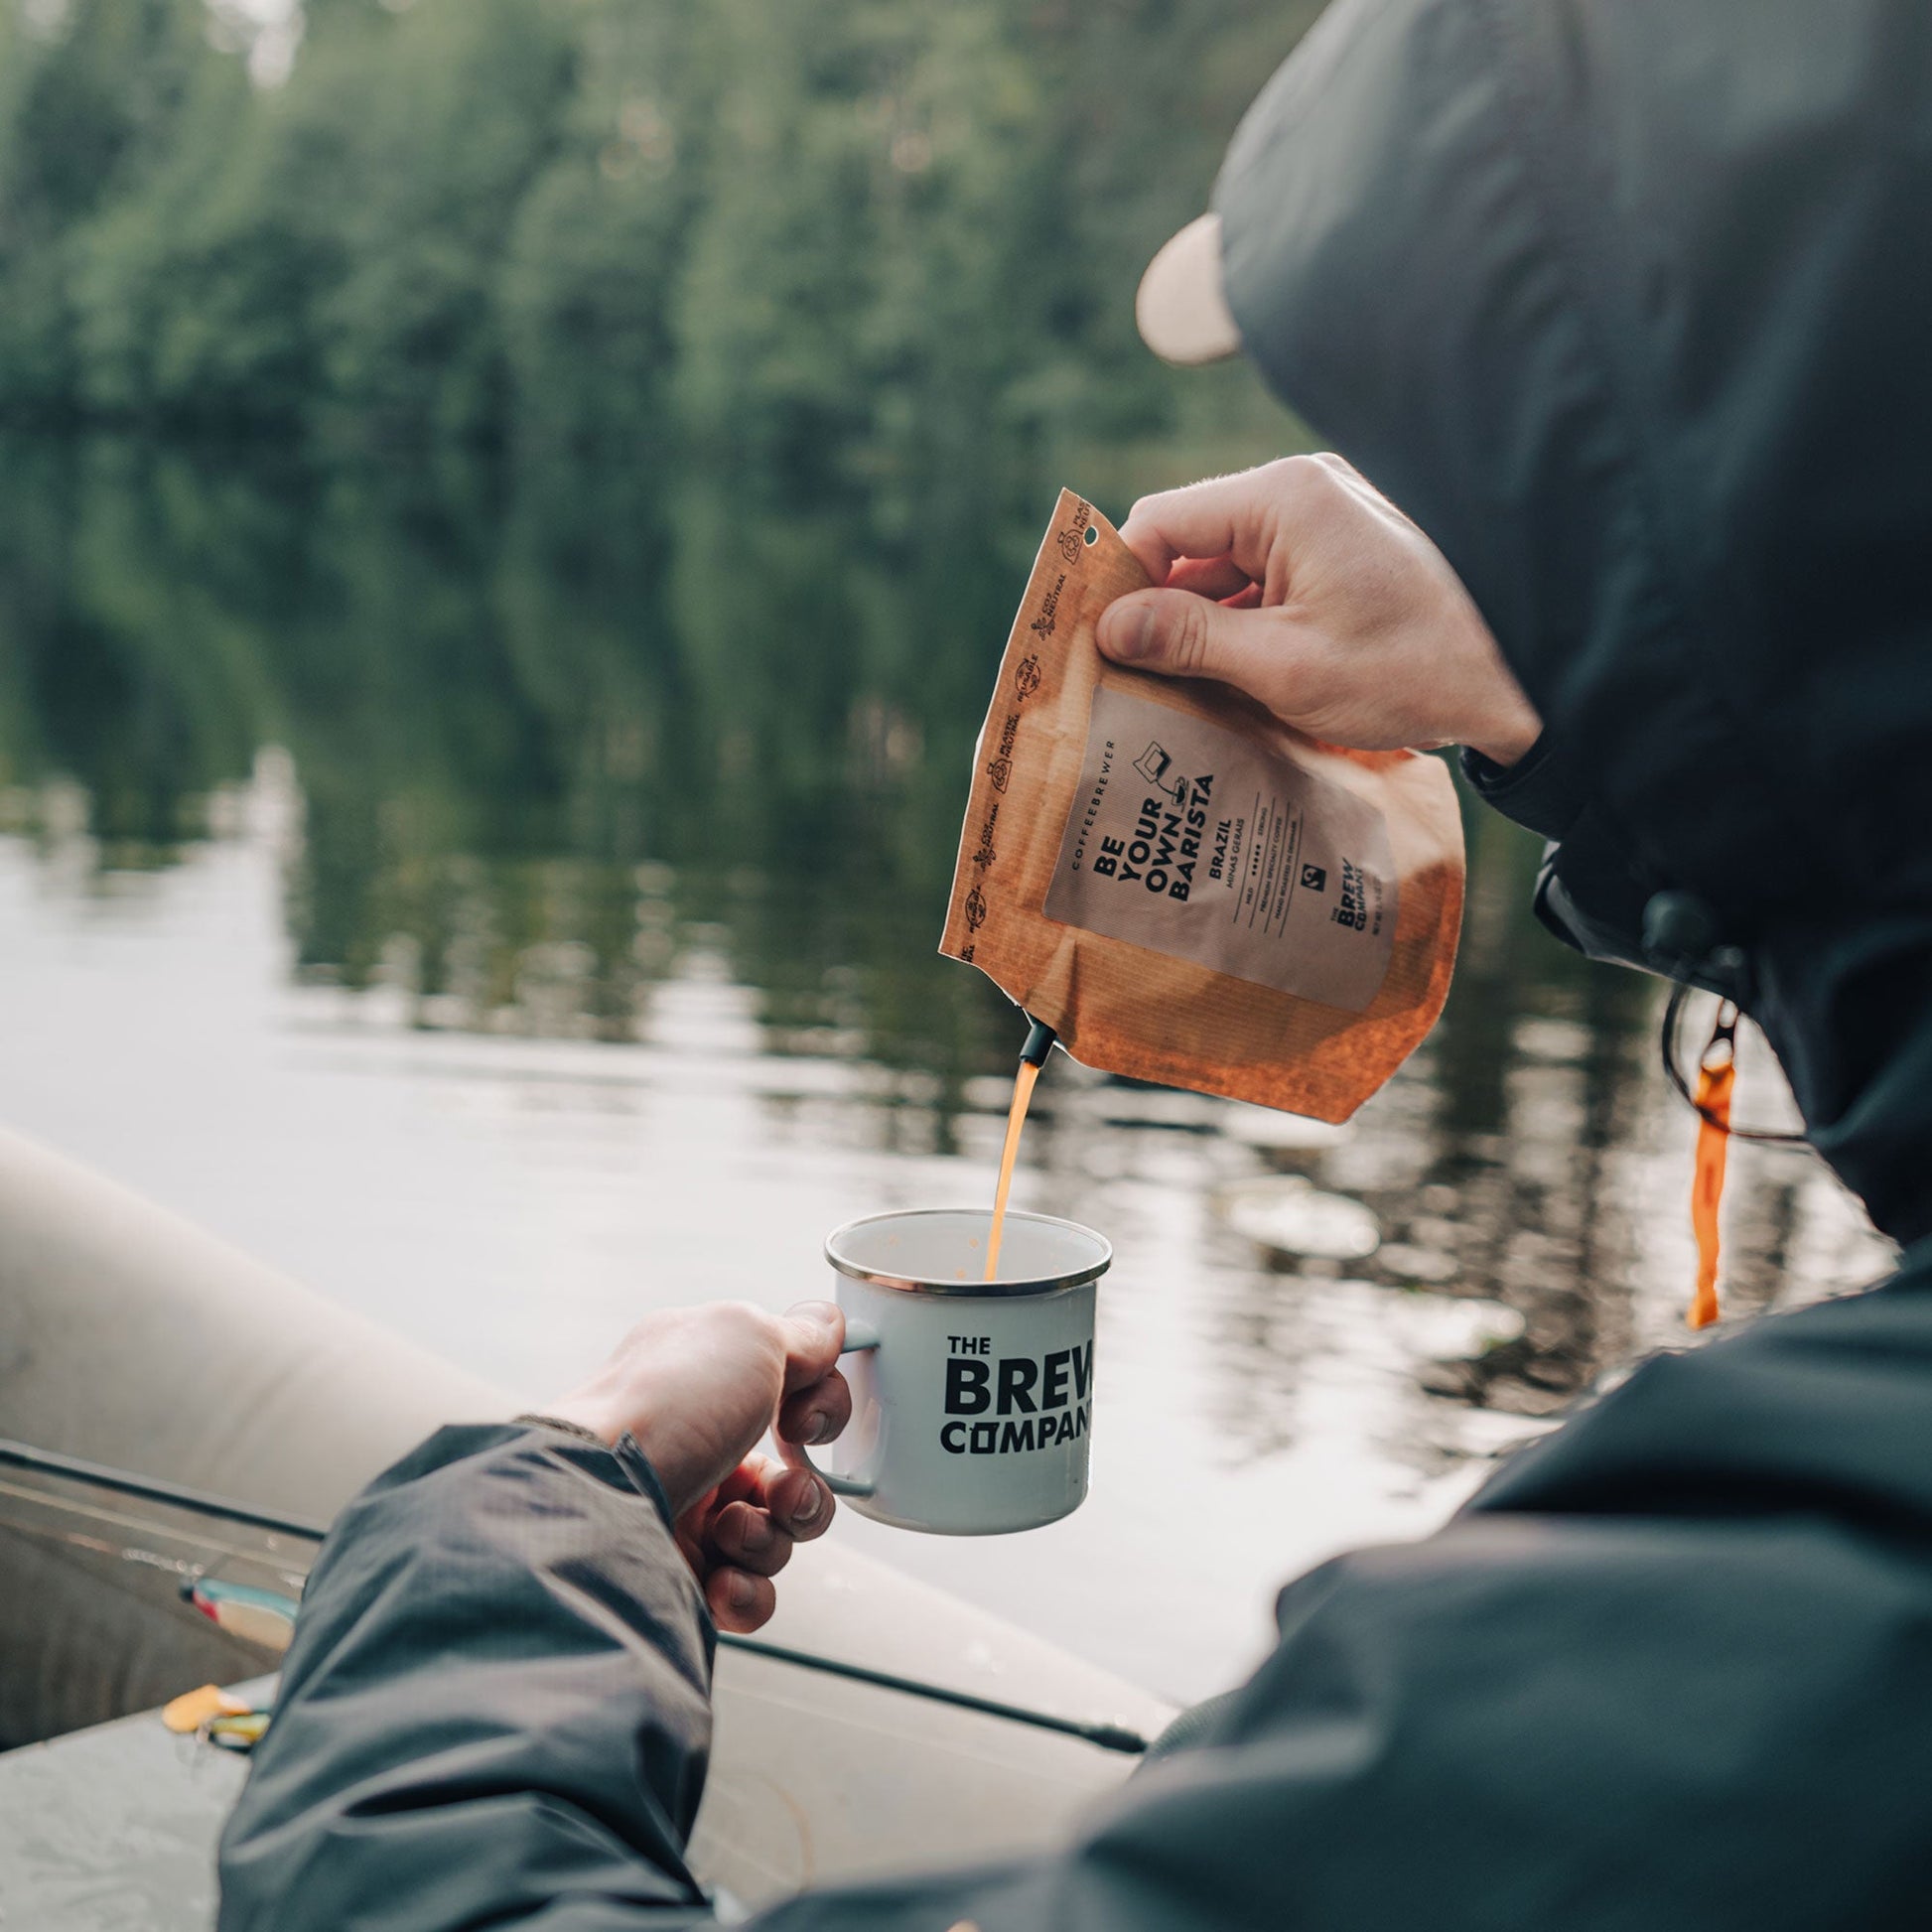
x=858 y=1335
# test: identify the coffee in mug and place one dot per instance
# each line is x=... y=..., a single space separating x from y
x=972 y=1400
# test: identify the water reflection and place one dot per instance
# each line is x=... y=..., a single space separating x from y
x=632 y=816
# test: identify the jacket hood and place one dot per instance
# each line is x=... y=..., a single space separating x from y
x=1627 y=302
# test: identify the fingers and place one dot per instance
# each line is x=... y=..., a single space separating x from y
x=1200 y=521
x=816 y=1414
x=1217 y=577
x=762 y=1509
x=797 y=1501
x=1232 y=517
x=818 y=1403
x=814 y=1333
x=739 y=1601
x=742 y=1535
x=748 y=1539
x=1180 y=634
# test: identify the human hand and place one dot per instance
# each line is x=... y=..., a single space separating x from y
x=1302 y=585
x=697 y=1387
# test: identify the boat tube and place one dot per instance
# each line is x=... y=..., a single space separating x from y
x=875 y=1724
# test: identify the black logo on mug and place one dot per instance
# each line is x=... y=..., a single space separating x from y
x=1018 y=1402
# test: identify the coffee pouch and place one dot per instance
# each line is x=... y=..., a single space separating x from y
x=1183 y=887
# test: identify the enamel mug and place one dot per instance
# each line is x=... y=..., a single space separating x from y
x=972 y=1401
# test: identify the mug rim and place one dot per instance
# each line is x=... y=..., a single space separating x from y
x=906 y=1284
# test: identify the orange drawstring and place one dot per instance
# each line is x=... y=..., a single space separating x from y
x=1714 y=1081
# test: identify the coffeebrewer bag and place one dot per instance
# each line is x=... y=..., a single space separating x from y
x=1185 y=888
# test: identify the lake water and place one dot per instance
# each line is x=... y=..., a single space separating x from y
x=510 y=911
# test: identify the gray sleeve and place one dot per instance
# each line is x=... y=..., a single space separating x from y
x=495 y=1710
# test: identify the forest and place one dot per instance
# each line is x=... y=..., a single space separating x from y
x=581 y=435
x=814 y=244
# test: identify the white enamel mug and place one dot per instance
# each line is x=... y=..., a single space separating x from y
x=972 y=1401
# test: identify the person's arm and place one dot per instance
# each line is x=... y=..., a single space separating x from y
x=1302 y=585
x=495 y=1709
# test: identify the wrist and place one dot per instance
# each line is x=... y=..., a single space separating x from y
x=585 y=1411
x=1508 y=734
x=1505 y=750
x=612 y=1415
x=564 y=1426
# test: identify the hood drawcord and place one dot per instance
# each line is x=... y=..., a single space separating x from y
x=1717 y=1075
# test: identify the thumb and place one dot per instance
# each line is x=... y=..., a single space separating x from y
x=814 y=1333
x=1181 y=634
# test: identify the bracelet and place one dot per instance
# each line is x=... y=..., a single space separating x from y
x=567 y=1428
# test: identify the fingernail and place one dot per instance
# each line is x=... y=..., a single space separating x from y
x=743 y=1593
x=818 y=1425
x=823 y=1312
x=1132 y=636
x=758 y=1535
x=809 y=1505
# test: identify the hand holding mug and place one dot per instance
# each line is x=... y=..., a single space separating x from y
x=698 y=1388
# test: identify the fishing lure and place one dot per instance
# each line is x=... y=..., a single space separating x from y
x=257 y=1617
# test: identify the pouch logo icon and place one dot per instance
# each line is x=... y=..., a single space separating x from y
x=1025 y=680
x=975 y=910
x=1315 y=878
x=1000 y=770
x=1074 y=540
x=1043 y=624
x=985 y=856
x=1154 y=765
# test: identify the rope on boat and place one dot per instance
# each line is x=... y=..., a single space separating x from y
x=20 y=1457
x=1110 y=1738
x=1106 y=1736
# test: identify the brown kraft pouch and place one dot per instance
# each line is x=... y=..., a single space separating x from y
x=1185 y=888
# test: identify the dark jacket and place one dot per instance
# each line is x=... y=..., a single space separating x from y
x=1626 y=301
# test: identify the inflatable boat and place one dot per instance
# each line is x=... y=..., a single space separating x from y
x=180 y=1424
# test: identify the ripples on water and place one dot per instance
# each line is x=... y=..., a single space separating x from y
x=503 y=1065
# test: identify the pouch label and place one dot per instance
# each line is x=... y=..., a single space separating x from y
x=1194 y=841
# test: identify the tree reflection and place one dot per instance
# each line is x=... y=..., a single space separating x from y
x=558 y=732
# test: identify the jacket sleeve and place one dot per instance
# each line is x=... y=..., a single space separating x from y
x=1591 y=888
x=495 y=1709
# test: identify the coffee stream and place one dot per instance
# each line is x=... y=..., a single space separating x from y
x=1032 y=1056
x=1022 y=1092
